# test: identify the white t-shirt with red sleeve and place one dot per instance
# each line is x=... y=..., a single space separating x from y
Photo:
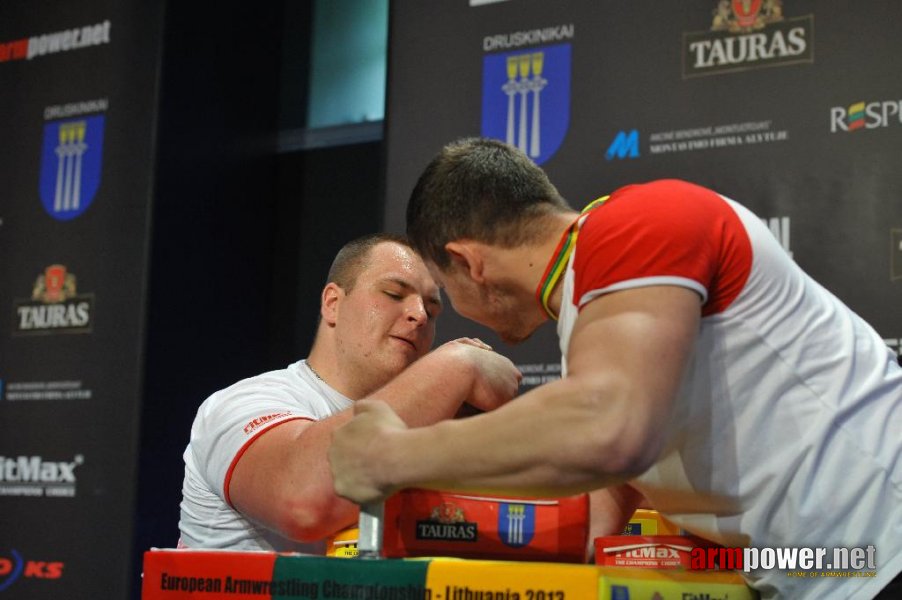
x=227 y=423
x=787 y=430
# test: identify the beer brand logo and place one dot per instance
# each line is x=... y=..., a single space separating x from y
x=447 y=512
x=748 y=34
x=516 y=524
x=13 y=567
x=447 y=523
x=71 y=158
x=526 y=98
x=55 y=306
x=746 y=15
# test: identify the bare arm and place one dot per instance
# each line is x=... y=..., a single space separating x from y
x=283 y=480
x=610 y=510
x=600 y=426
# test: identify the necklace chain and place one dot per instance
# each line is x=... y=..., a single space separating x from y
x=312 y=370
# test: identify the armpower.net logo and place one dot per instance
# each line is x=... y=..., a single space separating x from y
x=43 y=44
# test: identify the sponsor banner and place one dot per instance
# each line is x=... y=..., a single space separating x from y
x=80 y=100
x=175 y=574
x=435 y=523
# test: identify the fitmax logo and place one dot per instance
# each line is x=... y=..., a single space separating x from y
x=625 y=145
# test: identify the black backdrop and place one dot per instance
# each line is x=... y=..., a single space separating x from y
x=78 y=90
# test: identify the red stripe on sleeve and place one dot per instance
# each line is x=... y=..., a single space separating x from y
x=243 y=449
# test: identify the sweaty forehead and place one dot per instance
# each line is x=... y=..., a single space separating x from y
x=393 y=262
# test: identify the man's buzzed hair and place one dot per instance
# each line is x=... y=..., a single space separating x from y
x=479 y=189
x=353 y=257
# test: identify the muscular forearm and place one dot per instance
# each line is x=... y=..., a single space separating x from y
x=562 y=438
x=303 y=504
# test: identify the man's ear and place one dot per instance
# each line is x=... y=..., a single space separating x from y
x=469 y=256
x=328 y=303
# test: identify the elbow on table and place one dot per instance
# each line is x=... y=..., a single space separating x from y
x=307 y=522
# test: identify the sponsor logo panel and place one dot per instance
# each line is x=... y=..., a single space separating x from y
x=17 y=391
x=539 y=373
x=14 y=567
x=516 y=524
x=630 y=144
x=715 y=137
x=861 y=115
x=55 y=306
x=447 y=522
x=748 y=34
x=71 y=160
x=36 y=476
x=56 y=42
x=625 y=145
x=526 y=89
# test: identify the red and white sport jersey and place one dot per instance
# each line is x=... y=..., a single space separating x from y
x=227 y=423
x=787 y=431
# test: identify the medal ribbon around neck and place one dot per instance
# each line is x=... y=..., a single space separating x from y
x=558 y=263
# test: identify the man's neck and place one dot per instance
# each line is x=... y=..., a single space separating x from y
x=546 y=252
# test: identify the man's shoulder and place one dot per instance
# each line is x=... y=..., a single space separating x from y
x=286 y=383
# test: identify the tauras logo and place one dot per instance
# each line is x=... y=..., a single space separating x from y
x=55 y=306
x=447 y=522
x=34 y=469
x=456 y=532
x=748 y=34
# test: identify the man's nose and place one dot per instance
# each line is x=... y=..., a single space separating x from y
x=416 y=311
